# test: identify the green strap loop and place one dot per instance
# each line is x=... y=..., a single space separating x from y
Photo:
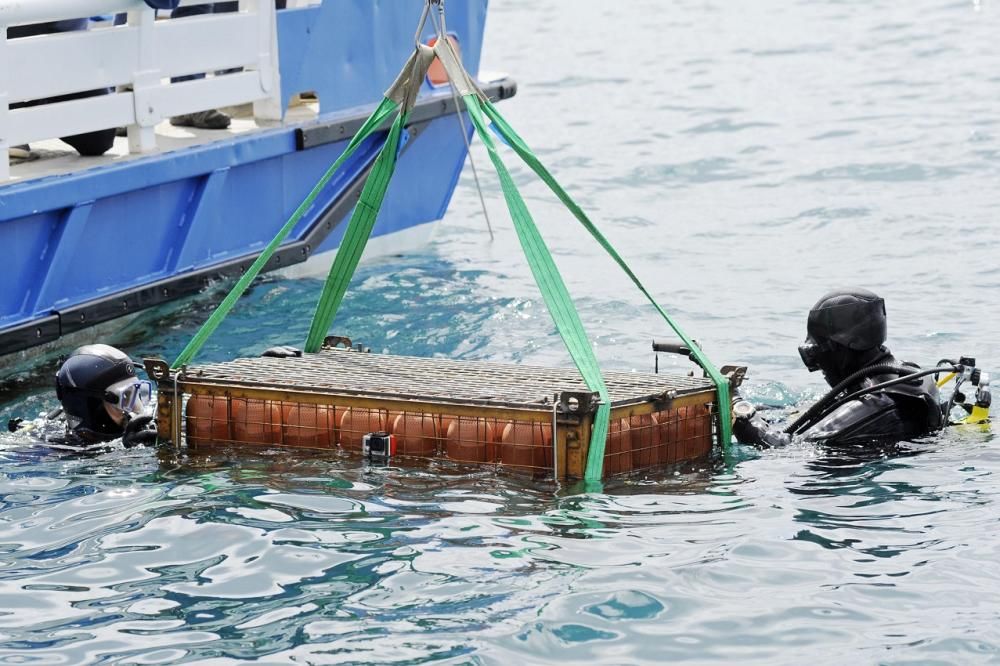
x=374 y=121
x=464 y=83
x=554 y=293
x=355 y=238
x=721 y=382
x=404 y=92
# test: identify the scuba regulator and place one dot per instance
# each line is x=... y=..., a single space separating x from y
x=977 y=407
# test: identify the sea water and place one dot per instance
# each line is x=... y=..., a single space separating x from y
x=745 y=157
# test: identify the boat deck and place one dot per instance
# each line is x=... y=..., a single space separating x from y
x=52 y=157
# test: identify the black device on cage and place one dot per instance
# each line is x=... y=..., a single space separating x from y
x=378 y=445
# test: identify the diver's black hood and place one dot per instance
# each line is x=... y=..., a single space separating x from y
x=80 y=384
x=845 y=332
x=852 y=318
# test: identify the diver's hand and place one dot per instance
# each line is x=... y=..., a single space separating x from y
x=14 y=424
x=746 y=430
x=140 y=430
x=755 y=431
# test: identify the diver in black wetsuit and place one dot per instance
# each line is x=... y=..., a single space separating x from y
x=102 y=400
x=846 y=331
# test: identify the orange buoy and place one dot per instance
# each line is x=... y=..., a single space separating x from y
x=665 y=436
x=207 y=419
x=309 y=426
x=436 y=72
x=416 y=434
x=642 y=441
x=617 y=453
x=690 y=432
x=358 y=422
x=469 y=439
x=527 y=444
x=699 y=431
x=256 y=421
x=444 y=422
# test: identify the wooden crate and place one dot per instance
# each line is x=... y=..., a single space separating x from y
x=526 y=419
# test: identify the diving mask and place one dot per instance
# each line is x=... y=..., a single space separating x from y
x=810 y=352
x=132 y=396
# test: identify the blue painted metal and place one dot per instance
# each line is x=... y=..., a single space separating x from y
x=58 y=257
x=382 y=30
x=157 y=216
x=423 y=182
x=207 y=198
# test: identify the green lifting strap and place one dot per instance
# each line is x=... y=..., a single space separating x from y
x=543 y=268
x=401 y=93
x=374 y=121
x=475 y=98
x=521 y=148
x=355 y=238
x=404 y=92
x=554 y=293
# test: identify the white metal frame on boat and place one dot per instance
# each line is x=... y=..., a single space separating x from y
x=135 y=61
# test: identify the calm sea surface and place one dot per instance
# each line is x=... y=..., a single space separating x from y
x=745 y=157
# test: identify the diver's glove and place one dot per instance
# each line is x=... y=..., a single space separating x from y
x=282 y=351
x=750 y=428
x=140 y=430
x=746 y=431
x=743 y=427
x=757 y=432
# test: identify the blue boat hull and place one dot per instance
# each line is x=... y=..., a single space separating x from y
x=104 y=242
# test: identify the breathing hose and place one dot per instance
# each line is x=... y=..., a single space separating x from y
x=879 y=387
x=822 y=406
x=892 y=382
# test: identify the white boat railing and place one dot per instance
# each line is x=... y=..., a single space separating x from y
x=134 y=62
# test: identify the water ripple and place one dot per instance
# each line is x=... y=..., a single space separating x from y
x=744 y=158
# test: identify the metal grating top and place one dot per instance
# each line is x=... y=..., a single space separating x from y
x=342 y=371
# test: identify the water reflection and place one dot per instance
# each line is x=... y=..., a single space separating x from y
x=273 y=554
x=801 y=168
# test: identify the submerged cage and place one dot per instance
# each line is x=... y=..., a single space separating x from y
x=526 y=419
